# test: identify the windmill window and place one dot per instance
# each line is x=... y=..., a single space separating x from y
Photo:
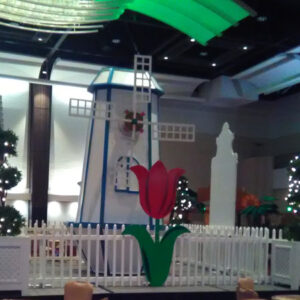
x=125 y=180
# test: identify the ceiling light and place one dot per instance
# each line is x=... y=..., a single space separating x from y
x=60 y=16
x=166 y=58
x=213 y=64
x=40 y=39
x=44 y=72
x=262 y=18
x=116 y=41
x=193 y=40
x=245 y=48
x=203 y=53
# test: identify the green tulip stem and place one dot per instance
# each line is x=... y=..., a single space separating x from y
x=157 y=230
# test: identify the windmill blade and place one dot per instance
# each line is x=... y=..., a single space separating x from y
x=173 y=132
x=142 y=80
x=133 y=135
x=90 y=109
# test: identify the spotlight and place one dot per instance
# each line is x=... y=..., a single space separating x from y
x=262 y=18
x=193 y=40
x=203 y=53
x=245 y=48
x=166 y=58
x=214 y=65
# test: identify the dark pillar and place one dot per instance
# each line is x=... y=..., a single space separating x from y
x=39 y=148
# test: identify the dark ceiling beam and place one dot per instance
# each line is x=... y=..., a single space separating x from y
x=132 y=40
x=178 y=48
x=241 y=3
x=166 y=43
x=48 y=63
x=137 y=19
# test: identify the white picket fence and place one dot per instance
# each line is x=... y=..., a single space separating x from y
x=207 y=256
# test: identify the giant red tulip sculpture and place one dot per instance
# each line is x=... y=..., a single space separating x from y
x=157 y=189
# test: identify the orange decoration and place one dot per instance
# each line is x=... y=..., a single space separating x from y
x=246 y=201
x=206 y=216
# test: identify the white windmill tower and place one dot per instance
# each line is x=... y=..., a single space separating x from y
x=123 y=132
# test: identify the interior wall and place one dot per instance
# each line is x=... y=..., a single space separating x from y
x=261 y=129
x=250 y=131
x=195 y=158
x=15 y=97
x=68 y=139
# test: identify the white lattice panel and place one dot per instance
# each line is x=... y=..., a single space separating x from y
x=142 y=78
x=10 y=262
x=173 y=132
x=282 y=261
x=285 y=263
x=14 y=263
x=89 y=109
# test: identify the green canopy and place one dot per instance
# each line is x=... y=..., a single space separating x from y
x=200 y=19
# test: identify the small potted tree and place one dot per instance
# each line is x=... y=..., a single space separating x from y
x=14 y=249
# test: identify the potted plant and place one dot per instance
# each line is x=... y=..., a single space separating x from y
x=14 y=249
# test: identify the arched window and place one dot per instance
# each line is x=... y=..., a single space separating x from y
x=125 y=180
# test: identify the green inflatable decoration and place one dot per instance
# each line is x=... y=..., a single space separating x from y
x=200 y=19
x=157 y=189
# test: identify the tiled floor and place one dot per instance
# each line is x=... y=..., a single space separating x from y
x=55 y=292
x=170 y=289
x=134 y=290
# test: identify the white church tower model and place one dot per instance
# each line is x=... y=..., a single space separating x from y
x=223 y=181
x=123 y=132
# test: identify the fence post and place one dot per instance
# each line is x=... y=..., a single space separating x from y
x=52 y=239
x=80 y=251
x=122 y=256
x=105 y=254
x=266 y=256
x=114 y=255
x=71 y=253
x=43 y=255
x=97 y=253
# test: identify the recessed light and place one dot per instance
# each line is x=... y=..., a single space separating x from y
x=245 y=48
x=213 y=64
x=193 y=40
x=262 y=18
x=40 y=39
x=166 y=58
x=44 y=72
x=116 y=41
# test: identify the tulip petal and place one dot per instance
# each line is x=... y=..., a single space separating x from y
x=173 y=177
x=142 y=175
x=157 y=188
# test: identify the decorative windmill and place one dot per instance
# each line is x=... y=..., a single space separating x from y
x=120 y=138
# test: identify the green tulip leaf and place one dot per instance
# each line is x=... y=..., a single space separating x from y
x=157 y=257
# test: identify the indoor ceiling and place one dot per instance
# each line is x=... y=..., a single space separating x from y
x=273 y=31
